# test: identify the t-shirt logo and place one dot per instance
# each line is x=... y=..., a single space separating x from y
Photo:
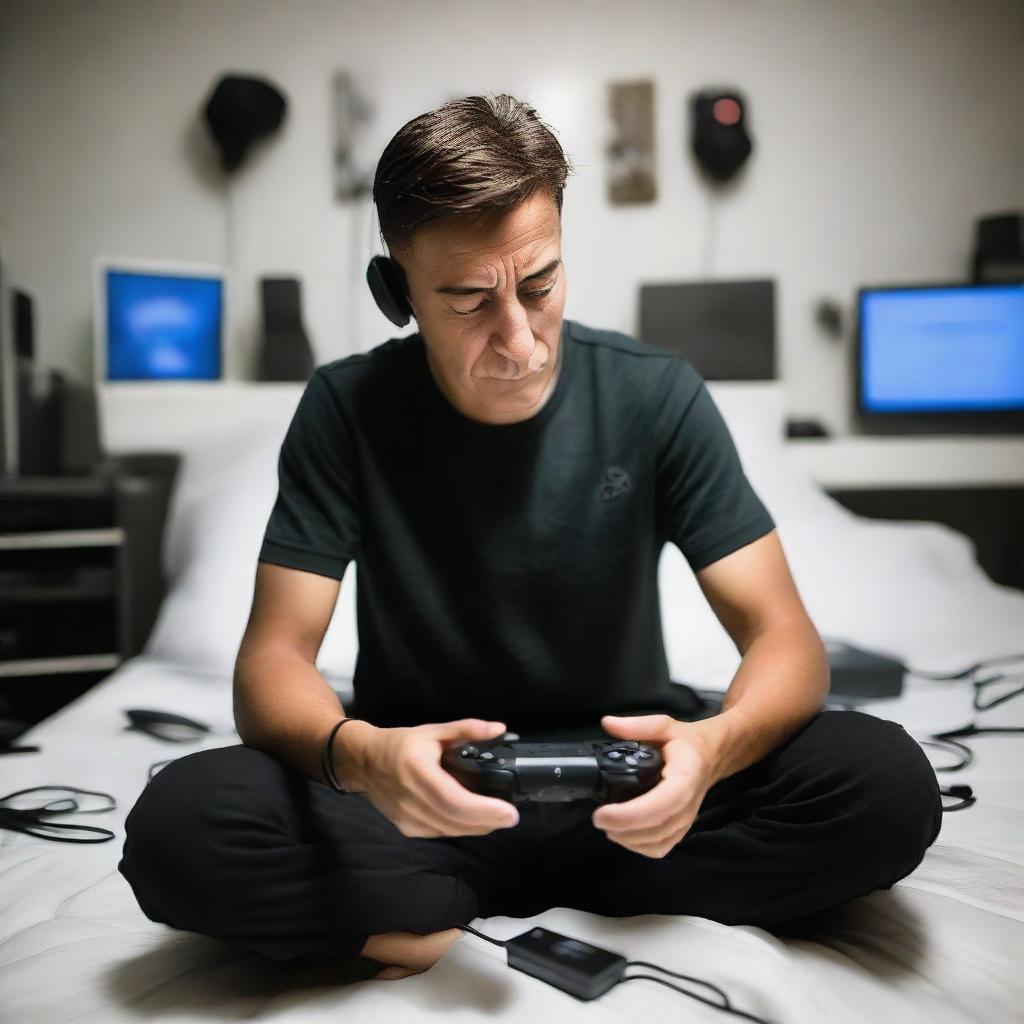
x=616 y=482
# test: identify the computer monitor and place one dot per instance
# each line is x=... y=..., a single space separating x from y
x=725 y=329
x=158 y=322
x=940 y=358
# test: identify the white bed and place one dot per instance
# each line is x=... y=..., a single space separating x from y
x=944 y=944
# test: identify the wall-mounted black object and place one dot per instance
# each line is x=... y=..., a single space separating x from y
x=806 y=428
x=24 y=322
x=828 y=315
x=240 y=110
x=719 y=137
x=998 y=249
x=726 y=329
x=285 y=353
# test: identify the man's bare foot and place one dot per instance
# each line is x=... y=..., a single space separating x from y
x=408 y=952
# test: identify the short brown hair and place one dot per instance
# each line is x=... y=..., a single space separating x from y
x=469 y=156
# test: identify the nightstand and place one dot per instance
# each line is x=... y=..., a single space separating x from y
x=80 y=578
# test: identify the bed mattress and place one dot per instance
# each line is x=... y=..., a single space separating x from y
x=942 y=945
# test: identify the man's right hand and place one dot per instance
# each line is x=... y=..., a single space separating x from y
x=400 y=771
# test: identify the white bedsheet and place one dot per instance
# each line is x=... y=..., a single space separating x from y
x=942 y=945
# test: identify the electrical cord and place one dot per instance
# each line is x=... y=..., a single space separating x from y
x=949 y=740
x=1005 y=659
x=728 y=1007
x=31 y=820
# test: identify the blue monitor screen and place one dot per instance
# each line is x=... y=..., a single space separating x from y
x=942 y=349
x=163 y=327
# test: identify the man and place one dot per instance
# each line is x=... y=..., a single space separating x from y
x=505 y=480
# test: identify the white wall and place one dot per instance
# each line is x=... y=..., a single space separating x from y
x=882 y=130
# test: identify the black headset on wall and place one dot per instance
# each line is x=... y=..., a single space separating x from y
x=388 y=285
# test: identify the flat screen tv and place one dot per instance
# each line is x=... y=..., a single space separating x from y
x=158 y=322
x=940 y=359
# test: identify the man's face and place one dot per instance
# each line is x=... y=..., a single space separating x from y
x=491 y=327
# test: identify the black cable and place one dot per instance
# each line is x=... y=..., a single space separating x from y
x=155 y=767
x=693 y=995
x=644 y=963
x=685 y=977
x=998 y=700
x=28 y=819
x=1002 y=660
x=948 y=740
x=467 y=928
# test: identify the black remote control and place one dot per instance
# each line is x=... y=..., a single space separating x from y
x=608 y=771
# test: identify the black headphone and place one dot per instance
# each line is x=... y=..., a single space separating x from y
x=388 y=285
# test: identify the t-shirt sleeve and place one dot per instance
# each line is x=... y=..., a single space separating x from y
x=314 y=524
x=706 y=502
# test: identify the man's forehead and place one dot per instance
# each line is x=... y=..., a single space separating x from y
x=454 y=250
x=479 y=277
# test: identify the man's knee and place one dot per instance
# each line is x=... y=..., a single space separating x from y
x=893 y=797
x=174 y=852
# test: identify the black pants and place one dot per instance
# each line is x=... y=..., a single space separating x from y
x=233 y=844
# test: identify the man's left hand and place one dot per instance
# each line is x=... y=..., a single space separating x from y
x=654 y=822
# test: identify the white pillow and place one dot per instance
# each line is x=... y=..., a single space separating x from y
x=216 y=538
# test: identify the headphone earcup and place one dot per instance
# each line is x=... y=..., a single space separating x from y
x=387 y=285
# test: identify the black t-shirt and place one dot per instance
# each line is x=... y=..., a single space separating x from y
x=509 y=571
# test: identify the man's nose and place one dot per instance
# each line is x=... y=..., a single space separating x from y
x=514 y=338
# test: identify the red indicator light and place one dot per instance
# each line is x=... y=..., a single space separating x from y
x=726 y=111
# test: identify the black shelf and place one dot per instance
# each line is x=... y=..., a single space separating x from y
x=80 y=577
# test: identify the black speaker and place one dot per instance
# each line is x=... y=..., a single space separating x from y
x=58 y=416
x=286 y=352
x=998 y=249
x=24 y=322
x=720 y=140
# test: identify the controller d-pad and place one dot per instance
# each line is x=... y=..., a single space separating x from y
x=468 y=751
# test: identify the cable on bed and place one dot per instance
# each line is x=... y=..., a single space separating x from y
x=1006 y=659
x=724 y=1005
x=30 y=819
x=949 y=740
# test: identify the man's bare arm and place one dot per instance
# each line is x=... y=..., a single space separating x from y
x=282 y=704
x=783 y=677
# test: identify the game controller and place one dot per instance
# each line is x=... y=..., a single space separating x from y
x=608 y=771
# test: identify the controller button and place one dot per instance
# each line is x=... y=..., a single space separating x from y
x=632 y=744
x=631 y=759
x=486 y=756
x=644 y=754
x=614 y=755
x=468 y=751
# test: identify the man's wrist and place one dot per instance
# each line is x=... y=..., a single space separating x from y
x=719 y=737
x=349 y=754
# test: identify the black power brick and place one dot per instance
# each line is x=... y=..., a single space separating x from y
x=574 y=966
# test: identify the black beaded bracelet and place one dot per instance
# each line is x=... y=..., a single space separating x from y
x=326 y=764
